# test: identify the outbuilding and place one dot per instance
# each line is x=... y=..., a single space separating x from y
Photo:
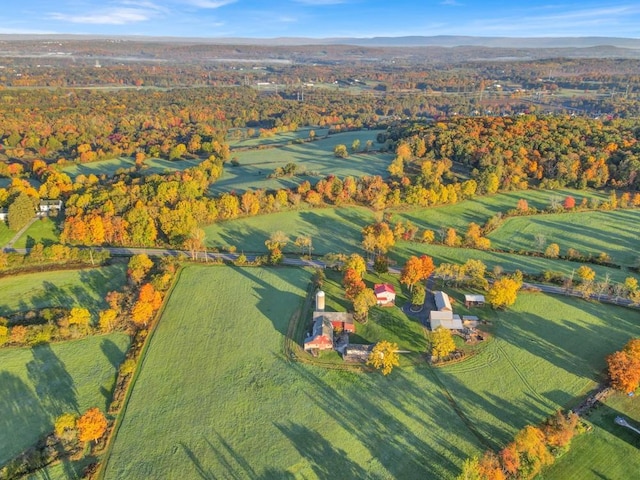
x=474 y=300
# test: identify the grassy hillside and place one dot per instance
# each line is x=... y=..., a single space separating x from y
x=225 y=404
x=318 y=157
x=63 y=288
x=43 y=231
x=41 y=383
x=548 y=352
x=612 y=232
x=111 y=166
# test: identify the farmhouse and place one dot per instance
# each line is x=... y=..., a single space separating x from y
x=385 y=294
x=321 y=337
x=47 y=206
x=474 y=300
x=443 y=304
x=4 y=215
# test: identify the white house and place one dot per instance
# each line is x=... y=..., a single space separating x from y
x=385 y=294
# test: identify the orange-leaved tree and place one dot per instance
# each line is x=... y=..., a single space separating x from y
x=92 y=425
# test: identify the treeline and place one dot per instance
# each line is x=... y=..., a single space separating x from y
x=522 y=151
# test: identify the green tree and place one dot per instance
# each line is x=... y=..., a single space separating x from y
x=363 y=301
x=20 y=212
x=139 y=265
x=418 y=294
x=341 y=151
x=384 y=356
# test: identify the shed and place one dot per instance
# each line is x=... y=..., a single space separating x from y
x=443 y=304
x=385 y=294
x=474 y=300
x=357 y=353
x=321 y=337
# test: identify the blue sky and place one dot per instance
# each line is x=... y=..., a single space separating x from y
x=322 y=18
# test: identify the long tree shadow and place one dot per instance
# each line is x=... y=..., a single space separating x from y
x=53 y=385
x=23 y=417
x=327 y=461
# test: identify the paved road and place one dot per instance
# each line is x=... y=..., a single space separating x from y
x=299 y=262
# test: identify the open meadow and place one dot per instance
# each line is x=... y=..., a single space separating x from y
x=315 y=158
x=5 y=234
x=111 y=166
x=480 y=209
x=548 y=352
x=41 y=383
x=226 y=404
x=45 y=231
x=85 y=287
x=331 y=230
x=277 y=139
x=616 y=233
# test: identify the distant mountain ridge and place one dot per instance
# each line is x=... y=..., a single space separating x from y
x=405 y=41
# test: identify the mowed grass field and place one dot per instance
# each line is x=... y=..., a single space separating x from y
x=111 y=166
x=279 y=138
x=615 y=232
x=331 y=230
x=41 y=383
x=255 y=165
x=62 y=288
x=480 y=209
x=216 y=399
x=44 y=230
x=548 y=352
x=608 y=450
x=5 y=234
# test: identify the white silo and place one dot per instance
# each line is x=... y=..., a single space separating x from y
x=320 y=301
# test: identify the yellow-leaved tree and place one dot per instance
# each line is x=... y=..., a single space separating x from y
x=504 y=292
x=442 y=343
x=384 y=356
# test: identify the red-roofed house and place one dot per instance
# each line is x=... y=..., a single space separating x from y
x=385 y=294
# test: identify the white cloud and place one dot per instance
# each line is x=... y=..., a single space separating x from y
x=209 y=3
x=109 y=16
x=451 y=3
x=320 y=2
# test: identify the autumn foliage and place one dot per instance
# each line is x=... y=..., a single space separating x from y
x=624 y=367
x=91 y=426
x=532 y=449
x=416 y=269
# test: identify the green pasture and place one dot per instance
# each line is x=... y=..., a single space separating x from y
x=331 y=230
x=316 y=158
x=41 y=383
x=278 y=138
x=481 y=208
x=111 y=166
x=339 y=230
x=5 y=234
x=45 y=231
x=615 y=232
x=62 y=288
x=508 y=262
x=224 y=403
x=608 y=450
x=548 y=352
